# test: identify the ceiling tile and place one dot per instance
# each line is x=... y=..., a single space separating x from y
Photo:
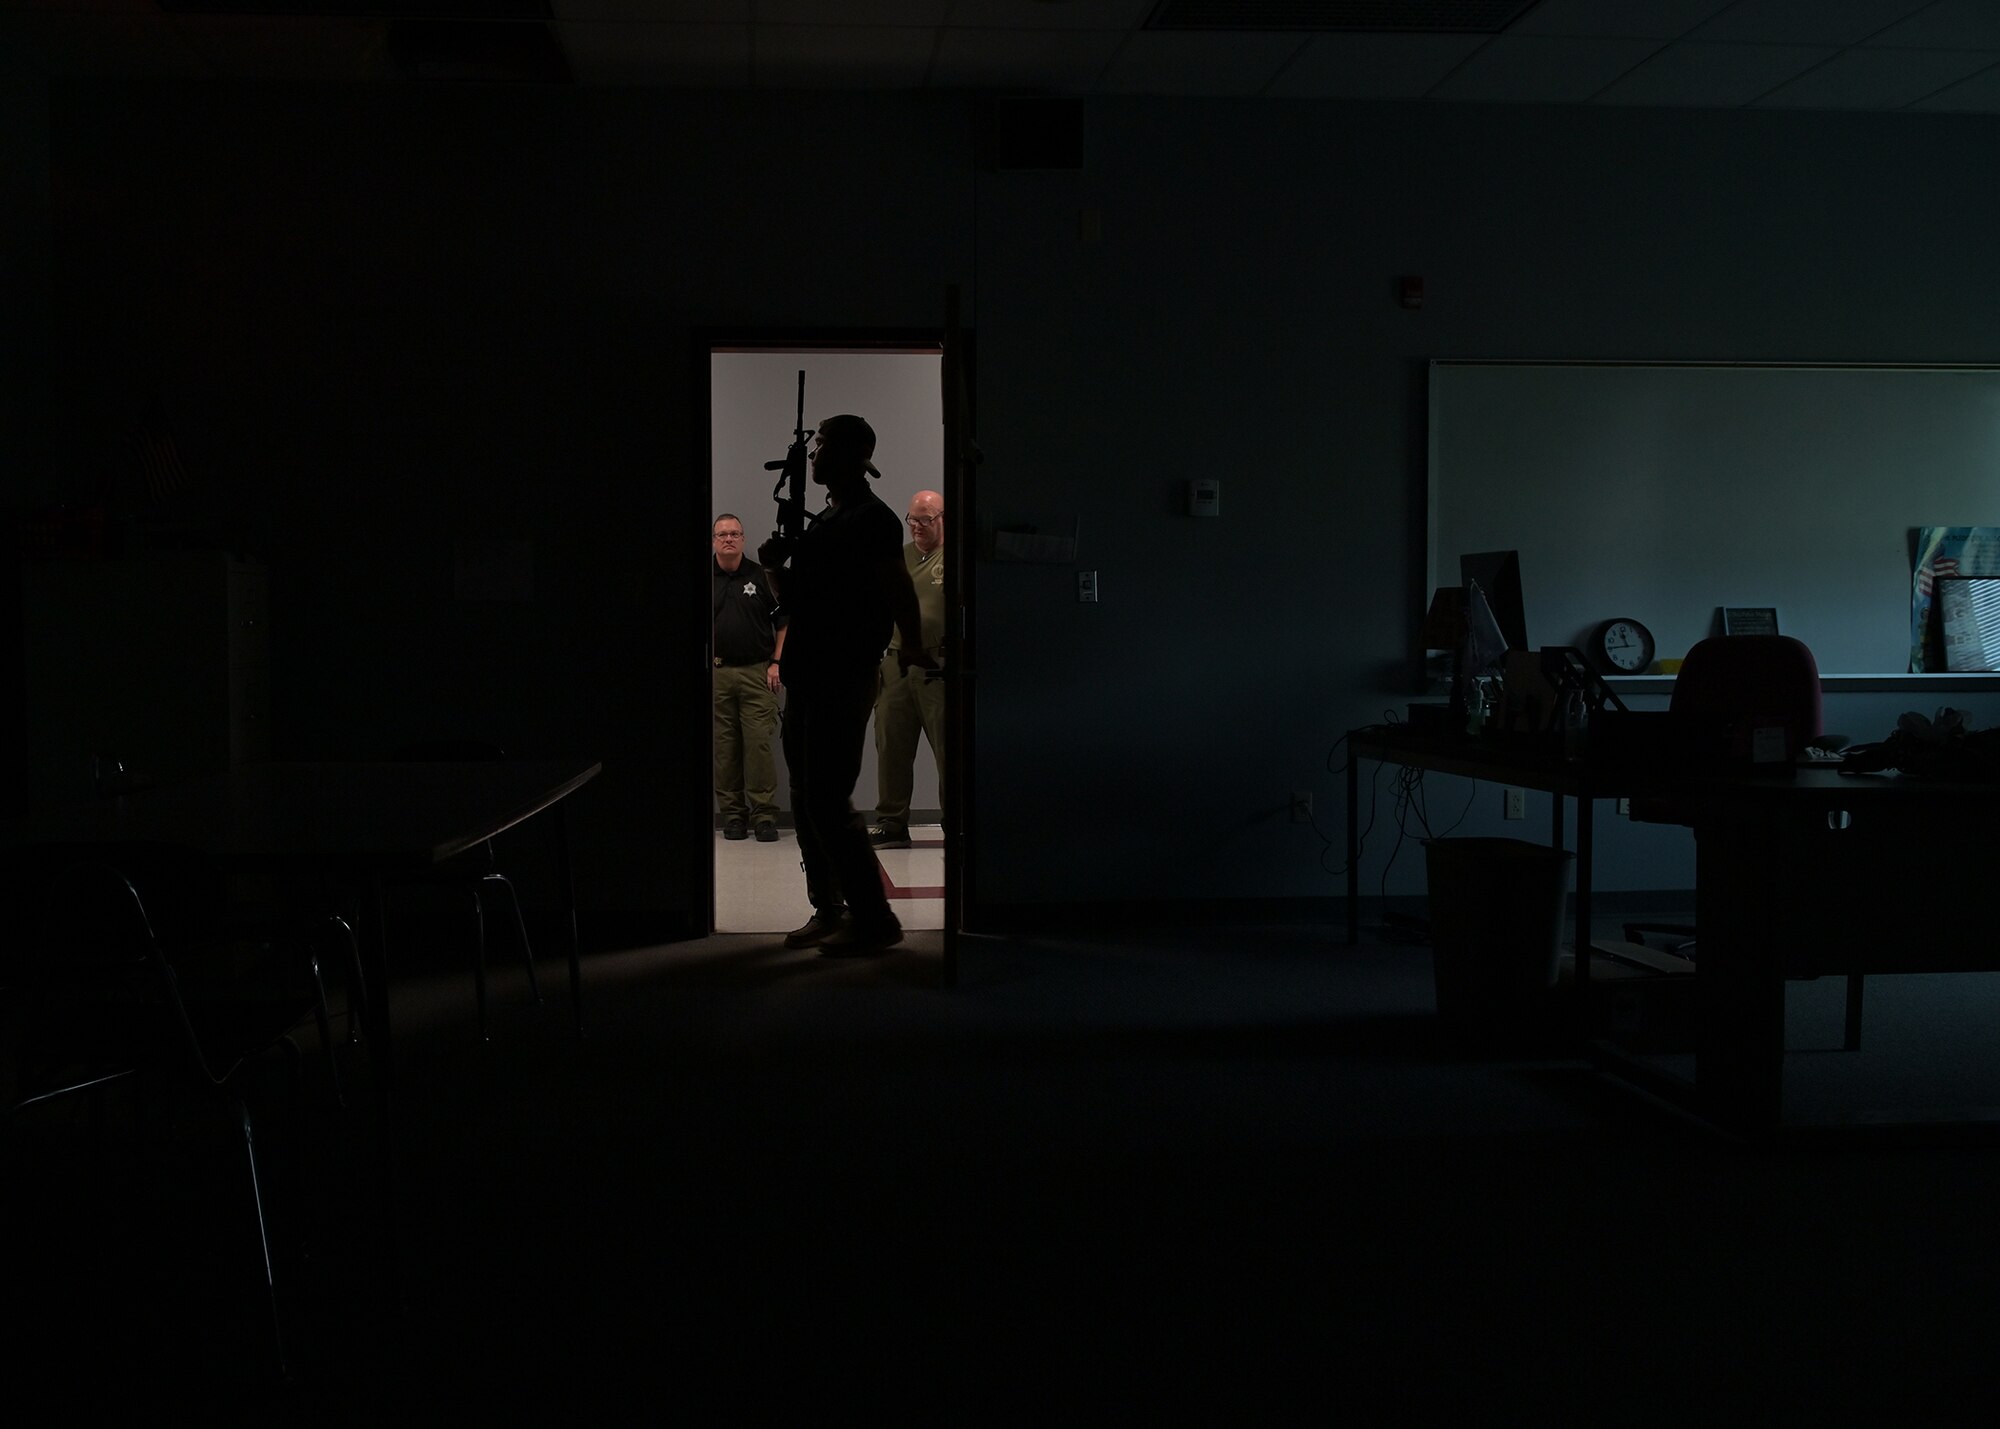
x=1947 y=25
x=912 y=14
x=99 y=44
x=1877 y=79
x=1041 y=15
x=1065 y=62
x=1817 y=22
x=80 y=7
x=1926 y=54
x=1977 y=95
x=688 y=56
x=840 y=56
x=1188 y=63
x=291 y=47
x=1713 y=76
x=1373 y=66
x=1542 y=70
x=1618 y=19
x=680 y=12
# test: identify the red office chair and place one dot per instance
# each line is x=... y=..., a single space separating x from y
x=1739 y=701
x=1746 y=699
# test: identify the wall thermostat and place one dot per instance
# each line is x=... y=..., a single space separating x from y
x=1204 y=497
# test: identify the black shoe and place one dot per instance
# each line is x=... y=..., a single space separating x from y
x=887 y=836
x=817 y=929
x=862 y=940
x=735 y=829
x=767 y=832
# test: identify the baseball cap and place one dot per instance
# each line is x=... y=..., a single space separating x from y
x=850 y=431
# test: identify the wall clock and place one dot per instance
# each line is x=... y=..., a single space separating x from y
x=1622 y=646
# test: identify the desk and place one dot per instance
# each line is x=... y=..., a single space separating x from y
x=1524 y=764
x=364 y=820
x=388 y=814
x=1817 y=873
x=1802 y=873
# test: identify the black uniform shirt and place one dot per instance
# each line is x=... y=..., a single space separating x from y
x=747 y=618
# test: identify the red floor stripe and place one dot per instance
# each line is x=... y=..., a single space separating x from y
x=889 y=887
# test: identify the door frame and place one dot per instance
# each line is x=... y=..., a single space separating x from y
x=955 y=483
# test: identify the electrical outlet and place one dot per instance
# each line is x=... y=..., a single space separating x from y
x=1625 y=807
x=1516 y=805
x=1302 y=808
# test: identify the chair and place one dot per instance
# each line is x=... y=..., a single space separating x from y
x=131 y=965
x=474 y=871
x=1739 y=701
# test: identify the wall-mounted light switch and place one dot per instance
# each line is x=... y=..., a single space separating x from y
x=1086 y=586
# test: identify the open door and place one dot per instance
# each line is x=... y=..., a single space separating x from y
x=896 y=380
x=961 y=463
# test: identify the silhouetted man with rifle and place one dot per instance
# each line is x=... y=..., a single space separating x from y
x=845 y=586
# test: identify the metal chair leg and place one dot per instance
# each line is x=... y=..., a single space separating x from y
x=521 y=927
x=357 y=997
x=264 y=1236
x=323 y=1020
x=479 y=963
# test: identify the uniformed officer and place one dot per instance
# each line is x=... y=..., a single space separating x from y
x=749 y=637
x=909 y=702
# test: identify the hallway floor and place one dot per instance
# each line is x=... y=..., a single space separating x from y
x=760 y=888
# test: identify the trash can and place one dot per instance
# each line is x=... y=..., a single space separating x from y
x=1497 y=908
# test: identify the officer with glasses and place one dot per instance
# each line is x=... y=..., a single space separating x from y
x=909 y=702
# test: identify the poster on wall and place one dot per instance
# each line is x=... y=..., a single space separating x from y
x=1971 y=606
x=1941 y=552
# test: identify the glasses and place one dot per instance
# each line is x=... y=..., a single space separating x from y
x=923 y=521
x=728 y=535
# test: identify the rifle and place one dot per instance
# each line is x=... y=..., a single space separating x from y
x=790 y=492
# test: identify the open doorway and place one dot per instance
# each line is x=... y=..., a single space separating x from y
x=753 y=406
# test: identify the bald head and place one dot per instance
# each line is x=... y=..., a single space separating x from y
x=926 y=520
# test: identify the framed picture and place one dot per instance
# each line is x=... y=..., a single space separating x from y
x=1749 y=620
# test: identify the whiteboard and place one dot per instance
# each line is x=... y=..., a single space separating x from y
x=1663 y=491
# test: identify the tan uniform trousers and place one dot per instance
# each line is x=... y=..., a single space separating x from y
x=746 y=718
x=908 y=704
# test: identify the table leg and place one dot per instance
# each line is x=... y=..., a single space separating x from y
x=382 y=1066
x=374 y=941
x=1585 y=838
x=1740 y=1055
x=567 y=889
x=1353 y=847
